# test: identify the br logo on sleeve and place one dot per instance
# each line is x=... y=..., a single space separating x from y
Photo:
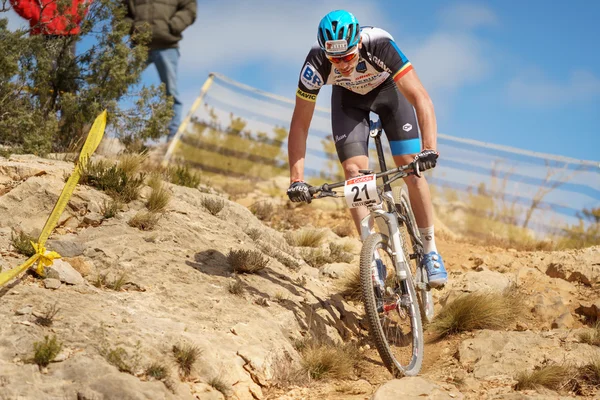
x=310 y=77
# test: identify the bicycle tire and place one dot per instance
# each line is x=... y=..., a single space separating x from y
x=384 y=326
x=420 y=274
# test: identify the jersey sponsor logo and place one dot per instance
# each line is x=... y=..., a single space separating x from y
x=360 y=179
x=310 y=77
x=336 y=46
x=361 y=67
x=407 y=127
x=306 y=96
x=381 y=64
x=338 y=138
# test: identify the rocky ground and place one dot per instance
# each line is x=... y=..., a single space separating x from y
x=175 y=289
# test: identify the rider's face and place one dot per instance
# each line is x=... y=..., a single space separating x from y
x=347 y=63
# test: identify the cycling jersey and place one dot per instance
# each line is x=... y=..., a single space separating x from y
x=379 y=59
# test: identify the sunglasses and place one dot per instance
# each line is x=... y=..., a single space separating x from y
x=346 y=58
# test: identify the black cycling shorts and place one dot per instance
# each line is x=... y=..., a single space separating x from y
x=350 y=120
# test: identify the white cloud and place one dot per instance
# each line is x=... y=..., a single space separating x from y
x=534 y=88
x=447 y=60
x=467 y=16
x=232 y=33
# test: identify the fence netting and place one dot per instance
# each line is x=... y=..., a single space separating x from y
x=239 y=131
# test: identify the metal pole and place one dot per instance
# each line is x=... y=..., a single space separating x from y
x=183 y=125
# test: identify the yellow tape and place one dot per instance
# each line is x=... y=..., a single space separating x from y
x=43 y=257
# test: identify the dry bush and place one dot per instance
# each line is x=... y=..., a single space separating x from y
x=46 y=351
x=159 y=197
x=319 y=257
x=287 y=373
x=236 y=287
x=253 y=233
x=182 y=176
x=120 y=181
x=144 y=220
x=324 y=360
x=280 y=252
x=263 y=210
x=120 y=358
x=591 y=336
x=22 y=243
x=306 y=237
x=47 y=318
x=553 y=377
x=349 y=285
x=479 y=310
x=110 y=209
x=116 y=284
x=185 y=356
x=247 y=261
x=213 y=205
x=131 y=163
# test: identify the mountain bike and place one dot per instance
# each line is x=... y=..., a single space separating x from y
x=391 y=273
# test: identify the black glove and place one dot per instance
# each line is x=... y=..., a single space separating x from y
x=298 y=191
x=426 y=160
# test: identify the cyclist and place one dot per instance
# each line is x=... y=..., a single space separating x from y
x=369 y=73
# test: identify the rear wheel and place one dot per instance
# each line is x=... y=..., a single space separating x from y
x=392 y=311
x=410 y=247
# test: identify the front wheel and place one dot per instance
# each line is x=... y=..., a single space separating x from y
x=392 y=308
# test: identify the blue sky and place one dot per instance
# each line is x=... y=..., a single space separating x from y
x=521 y=74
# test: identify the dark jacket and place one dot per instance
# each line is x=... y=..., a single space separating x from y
x=47 y=18
x=166 y=18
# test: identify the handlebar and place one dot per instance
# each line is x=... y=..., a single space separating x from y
x=414 y=168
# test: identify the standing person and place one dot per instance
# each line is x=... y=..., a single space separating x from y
x=167 y=19
x=369 y=73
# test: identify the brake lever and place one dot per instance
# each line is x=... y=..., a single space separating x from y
x=329 y=193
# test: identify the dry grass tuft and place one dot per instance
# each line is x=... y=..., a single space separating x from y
x=553 y=377
x=591 y=336
x=236 y=287
x=213 y=205
x=590 y=373
x=159 y=197
x=218 y=382
x=46 y=351
x=157 y=371
x=306 y=237
x=182 y=176
x=321 y=360
x=349 y=285
x=185 y=356
x=22 y=243
x=247 y=261
x=482 y=310
x=144 y=220
x=262 y=210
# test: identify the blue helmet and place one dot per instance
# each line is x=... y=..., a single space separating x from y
x=339 y=32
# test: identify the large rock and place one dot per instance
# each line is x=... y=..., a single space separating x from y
x=415 y=388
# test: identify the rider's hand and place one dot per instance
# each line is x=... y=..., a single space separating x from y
x=426 y=159
x=298 y=191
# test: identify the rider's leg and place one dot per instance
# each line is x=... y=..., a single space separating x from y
x=351 y=167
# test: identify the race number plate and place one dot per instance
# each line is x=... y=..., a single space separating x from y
x=361 y=191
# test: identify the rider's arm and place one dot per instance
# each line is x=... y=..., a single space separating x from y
x=411 y=87
x=301 y=118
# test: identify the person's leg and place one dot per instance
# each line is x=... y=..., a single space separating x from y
x=350 y=132
x=166 y=61
x=400 y=124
